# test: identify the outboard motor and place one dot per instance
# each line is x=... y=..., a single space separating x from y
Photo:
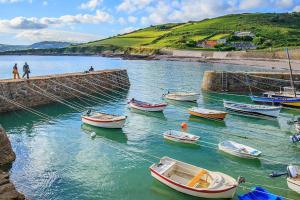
x=295 y=138
x=88 y=113
x=292 y=171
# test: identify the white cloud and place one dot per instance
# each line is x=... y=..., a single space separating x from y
x=45 y=22
x=122 y=20
x=246 y=4
x=55 y=35
x=296 y=9
x=127 y=30
x=133 y=5
x=91 y=4
x=9 y=1
x=132 y=19
x=284 y=3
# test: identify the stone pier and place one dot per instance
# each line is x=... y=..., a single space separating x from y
x=66 y=86
x=239 y=82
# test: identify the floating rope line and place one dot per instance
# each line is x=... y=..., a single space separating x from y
x=42 y=115
x=50 y=96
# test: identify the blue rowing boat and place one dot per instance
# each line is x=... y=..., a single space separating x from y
x=259 y=193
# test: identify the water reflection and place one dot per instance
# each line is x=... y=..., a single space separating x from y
x=116 y=135
x=209 y=122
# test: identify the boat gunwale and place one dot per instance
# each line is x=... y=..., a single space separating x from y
x=190 y=188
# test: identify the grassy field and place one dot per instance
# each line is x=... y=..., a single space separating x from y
x=270 y=29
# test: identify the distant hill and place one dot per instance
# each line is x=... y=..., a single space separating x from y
x=268 y=29
x=39 y=45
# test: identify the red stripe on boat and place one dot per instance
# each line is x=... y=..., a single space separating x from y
x=192 y=189
x=94 y=120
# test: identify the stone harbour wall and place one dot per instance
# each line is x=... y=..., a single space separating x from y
x=7 y=156
x=30 y=92
x=238 y=82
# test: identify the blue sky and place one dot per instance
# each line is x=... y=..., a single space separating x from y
x=29 y=21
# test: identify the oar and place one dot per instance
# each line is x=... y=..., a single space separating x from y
x=277 y=174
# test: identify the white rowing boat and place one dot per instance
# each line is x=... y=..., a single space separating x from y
x=250 y=109
x=193 y=180
x=103 y=120
x=238 y=150
x=182 y=96
x=140 y=105
x=293 y=179
x=178 y=136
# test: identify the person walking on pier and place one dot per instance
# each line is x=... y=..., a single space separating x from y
x=26 y=70
x=16 y=72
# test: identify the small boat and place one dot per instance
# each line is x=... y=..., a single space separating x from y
x=193 y=180
x=288 y=97
x=259 y=193
x=182 y=96
x=293 y=179
x=140 y=105
x=103 y=120
x=207 y=113
x=250 y=109
x=178 y=136
x=238 y=150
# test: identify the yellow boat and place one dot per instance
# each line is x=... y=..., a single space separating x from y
x=207 y=113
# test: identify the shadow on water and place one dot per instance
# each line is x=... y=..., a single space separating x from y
x=180 y=144
x=258 y=120
x=182 y=104
x=209 y=122
x=159 y=115
x=248 y=162
x=116 y=135
x=169 y=193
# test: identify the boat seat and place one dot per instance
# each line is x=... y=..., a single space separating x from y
x=196 y=181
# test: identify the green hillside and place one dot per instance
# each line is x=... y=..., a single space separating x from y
x=269 y=29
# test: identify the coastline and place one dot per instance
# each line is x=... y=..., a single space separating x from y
x=266 y=63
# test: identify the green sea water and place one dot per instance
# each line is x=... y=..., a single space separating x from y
x=57 y=159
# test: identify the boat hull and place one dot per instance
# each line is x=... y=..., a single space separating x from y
x=226 y=193
x=108 y=124
x=293 y=185
x=235 y=153
x=149 y=109
x=219 y=116
x=274 y=112
x=293 y=102
x=192 y=98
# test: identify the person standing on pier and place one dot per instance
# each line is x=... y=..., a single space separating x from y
x=16 y=72
x=26 y=70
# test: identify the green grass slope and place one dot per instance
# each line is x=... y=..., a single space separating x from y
x=270 y=29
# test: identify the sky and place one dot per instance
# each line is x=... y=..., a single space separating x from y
x=30 y=21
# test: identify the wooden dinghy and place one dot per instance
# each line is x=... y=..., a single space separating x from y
x=207 y=113
x=103 y=120
x=182 y=96
x=193 y=180
x=178 y=136
x=238 y=150
x=140 y=105
x=254 y=110
x=293 y=179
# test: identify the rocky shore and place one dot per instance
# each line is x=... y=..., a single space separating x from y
x=7 y=156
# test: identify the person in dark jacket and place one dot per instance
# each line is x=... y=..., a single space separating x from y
x=91 y=69
x=26 y=70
